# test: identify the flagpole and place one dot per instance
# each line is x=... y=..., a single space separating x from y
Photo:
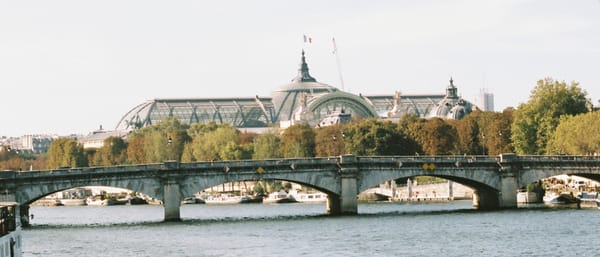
x=339 y=66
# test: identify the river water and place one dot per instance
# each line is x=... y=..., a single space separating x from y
x=381 y=229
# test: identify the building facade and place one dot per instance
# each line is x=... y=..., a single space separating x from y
x=303 y=100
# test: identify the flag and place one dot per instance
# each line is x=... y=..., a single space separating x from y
x=307 y=39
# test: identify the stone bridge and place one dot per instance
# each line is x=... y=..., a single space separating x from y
x=494 y=179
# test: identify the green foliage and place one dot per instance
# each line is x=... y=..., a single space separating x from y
x=438 y=137
x=66 y=152
x=329 y=141
x=217 y=144
x=298 y=141
x=267 y=146
x=411 y=125
x=576 y=135
x=536 y=120
x=374 y=137
x=113 y=152
x=157 y=143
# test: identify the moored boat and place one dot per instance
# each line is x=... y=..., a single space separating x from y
x=279 y=197
x=96 y=201
x=564 y=198
x=72 y=202
x=223 y=199
x=316 y=197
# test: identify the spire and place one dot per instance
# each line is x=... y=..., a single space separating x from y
x=303 y=75
x=451 y=90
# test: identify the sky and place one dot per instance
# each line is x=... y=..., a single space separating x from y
x=72 y=66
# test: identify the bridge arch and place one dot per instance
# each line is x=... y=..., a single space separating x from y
x=535 y=168
x=325 y=182
x=29 y=193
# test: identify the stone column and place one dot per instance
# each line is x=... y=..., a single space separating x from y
x=510 y=185
x=333 y=204
x=171 y=201
x=349 y=185
x=485 y=199
x=22 y=214
x=409 y=192
x=508 y=195
x=450 y=191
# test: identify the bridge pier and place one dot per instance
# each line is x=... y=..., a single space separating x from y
x=172 y=201
x=491 y=199
x=346 y=202
x=23 y=212
x=508 y=195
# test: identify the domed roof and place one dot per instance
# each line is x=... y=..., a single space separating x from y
x=452 y=106
x=287 y=97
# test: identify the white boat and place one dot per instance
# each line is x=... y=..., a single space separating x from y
x=560 y=199
x=95 y=201
x=279 y=197
x=223 y=199
x=72 y=202
x=316 y=197
x=10 y=231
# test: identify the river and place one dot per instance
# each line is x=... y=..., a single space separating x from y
x=381 y=229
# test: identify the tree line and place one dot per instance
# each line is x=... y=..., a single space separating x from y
x=557 y=119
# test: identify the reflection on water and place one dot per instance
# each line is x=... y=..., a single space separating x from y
x=382 y=229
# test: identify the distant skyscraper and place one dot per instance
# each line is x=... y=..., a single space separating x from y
x=485 y=101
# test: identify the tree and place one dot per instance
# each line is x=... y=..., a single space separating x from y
x=467 y=132
x=210 y=145
x=411 y=126
x=439 y=137
x=135 y=149
x=159 y=142
x=65 y=152
x=535 y=121
x=298 y=141
x=576 y=135
x=113 y=152
x=267 y=146
x=499 y=133
x=329 y=141
x=374 y=137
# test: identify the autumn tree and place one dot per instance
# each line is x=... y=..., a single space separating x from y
x=329 y=141
x=113 y=151
x=535 y=121
x=65 y=152
x=298 y=141
x=267 y=146
x=439 y=137
x=411 y=126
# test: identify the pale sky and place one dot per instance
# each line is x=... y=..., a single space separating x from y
x=71 y=66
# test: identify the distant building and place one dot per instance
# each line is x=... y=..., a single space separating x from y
x=30 y=143
x=303 y=100
x=96 y=138
x=485 y=101
x=452 y=106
